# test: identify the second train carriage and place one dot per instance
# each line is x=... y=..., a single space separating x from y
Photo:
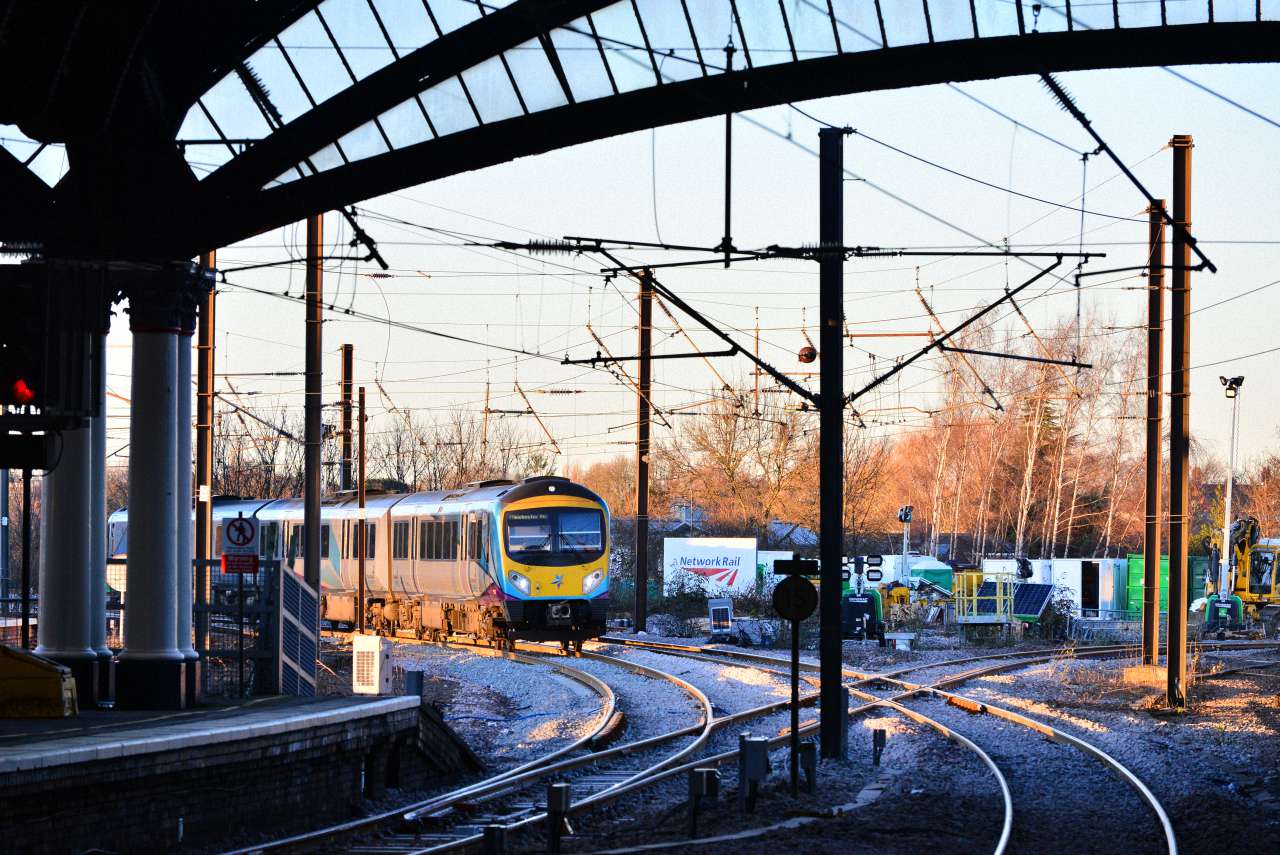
x=499 y=560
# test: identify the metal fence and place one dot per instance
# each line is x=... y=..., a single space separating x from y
x=235 y=620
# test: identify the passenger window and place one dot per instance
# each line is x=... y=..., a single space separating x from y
x=400 y=541
x=371 y=538
x=324 y=541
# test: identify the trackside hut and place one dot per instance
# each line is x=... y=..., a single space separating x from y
x=716 y=565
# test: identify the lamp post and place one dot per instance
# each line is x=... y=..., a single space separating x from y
x=1231 y=386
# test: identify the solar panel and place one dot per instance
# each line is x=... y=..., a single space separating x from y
x=1029 y=599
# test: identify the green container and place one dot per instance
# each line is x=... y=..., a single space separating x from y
x=1198 y=566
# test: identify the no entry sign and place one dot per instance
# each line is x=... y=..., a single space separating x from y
x=240 y=545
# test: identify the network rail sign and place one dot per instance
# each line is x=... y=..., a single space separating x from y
x=717 y=565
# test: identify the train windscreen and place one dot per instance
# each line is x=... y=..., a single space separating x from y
x=555 y=536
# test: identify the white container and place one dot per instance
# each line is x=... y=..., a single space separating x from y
x=371 y=665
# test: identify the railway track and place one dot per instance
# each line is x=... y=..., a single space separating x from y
x=456 y=820
x=903 y=692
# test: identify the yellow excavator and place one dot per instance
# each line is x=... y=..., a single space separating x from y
x=1243 y=594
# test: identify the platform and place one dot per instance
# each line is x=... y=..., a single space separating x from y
x=121 y=781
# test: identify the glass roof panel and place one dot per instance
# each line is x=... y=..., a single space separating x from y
x=357 y=33
x=405 y=125
x=51 y=164
x=713 y=22
x=17 y=143
x=447 y=105
x=1053 y=17
x=811 y=29
x=235 y=112
x=1230 y=10
x=1092 y=15
x=364 y=141
x=1271 y=10
x=904 y=22
x=1148 y=14
x=996 y=19
x=624 y=47
x=202 y=159
x=537 y=81
x=490 y=87
x=580 y=57
x=451 y=14
x=1184 y=11
x=406 y=22
x=859 y=29
x=670 y=39
x=326 y=158
x=282 y=87
x=765 y=34
x=317 y=61
x=951 y=19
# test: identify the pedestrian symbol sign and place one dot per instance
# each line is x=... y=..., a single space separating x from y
x=240 y=545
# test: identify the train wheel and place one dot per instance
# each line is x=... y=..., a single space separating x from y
x=577 y=645
x=568 y=646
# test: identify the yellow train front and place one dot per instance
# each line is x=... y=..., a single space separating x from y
x=495 y=560
x=553 y=543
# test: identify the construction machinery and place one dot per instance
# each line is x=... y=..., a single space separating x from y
x=1245 y=594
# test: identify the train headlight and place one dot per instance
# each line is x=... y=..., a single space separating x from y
x=592 y=581
x=520 y=582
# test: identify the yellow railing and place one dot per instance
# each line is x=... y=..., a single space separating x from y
x=973 y=605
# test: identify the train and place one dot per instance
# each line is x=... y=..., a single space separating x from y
x=497 y=560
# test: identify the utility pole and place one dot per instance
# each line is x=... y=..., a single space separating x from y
x=727 y=243
x=642 y=451
x=311 y=410
x=362 y=548
x=833 y=720
x=1179 y=425
x=205 y=332
x=1155 y=435
x=348 y=359
x=756 y=399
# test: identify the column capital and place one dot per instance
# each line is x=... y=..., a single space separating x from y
x=167 y=298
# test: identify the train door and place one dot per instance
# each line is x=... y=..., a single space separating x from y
x=401 y=555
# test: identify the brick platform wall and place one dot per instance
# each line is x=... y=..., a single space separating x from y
x=233 y=793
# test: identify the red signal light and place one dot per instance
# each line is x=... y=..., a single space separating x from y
x=20 y=393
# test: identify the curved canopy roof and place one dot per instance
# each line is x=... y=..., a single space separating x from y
x=199 y=122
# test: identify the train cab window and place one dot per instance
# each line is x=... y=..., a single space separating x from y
x=555 y=537
x=400 y=534
x=579 y=531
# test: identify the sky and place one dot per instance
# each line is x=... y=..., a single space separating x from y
x=667 y=185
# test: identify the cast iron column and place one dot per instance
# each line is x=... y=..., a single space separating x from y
x=1155 y=436
x=152 y=670
x=185 y=538
x=642 y=450
x=63 y=631
x=98 y=525
x=1179 y=425
x=831 y=433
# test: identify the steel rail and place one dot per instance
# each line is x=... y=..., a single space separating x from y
x=604 y=718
